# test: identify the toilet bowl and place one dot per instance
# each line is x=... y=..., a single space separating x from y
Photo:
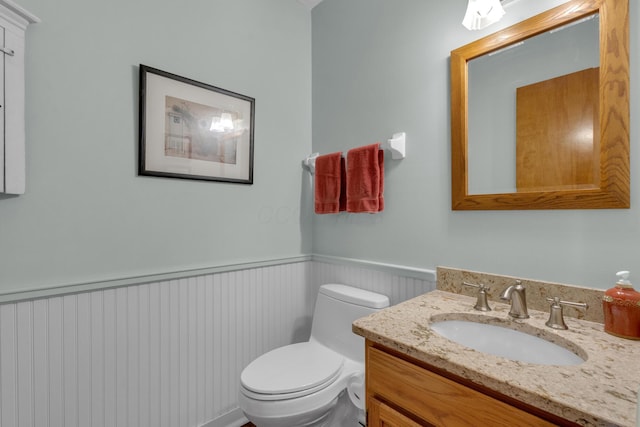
x=306 y=384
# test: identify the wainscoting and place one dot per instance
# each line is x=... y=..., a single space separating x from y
x=397 y=284
x=165 y=353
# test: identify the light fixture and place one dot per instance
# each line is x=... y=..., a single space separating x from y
x=215 y=124
x=223 y=123
x=482 y=13
x=226 y=121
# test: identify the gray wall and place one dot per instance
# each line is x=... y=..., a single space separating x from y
x=382 y=66
x=379 y=67
x=86 y=216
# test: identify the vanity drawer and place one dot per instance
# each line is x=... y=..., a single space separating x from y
x=433 y=399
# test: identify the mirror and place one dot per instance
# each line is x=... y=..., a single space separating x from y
x=550 y=136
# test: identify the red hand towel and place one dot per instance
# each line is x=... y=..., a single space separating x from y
x=330 y=184
x=365 y=179
x=381 y=189
x=343 y=184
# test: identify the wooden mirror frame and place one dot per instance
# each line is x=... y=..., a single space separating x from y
x=614 y=111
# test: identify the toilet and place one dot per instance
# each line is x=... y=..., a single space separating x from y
x=320 y=382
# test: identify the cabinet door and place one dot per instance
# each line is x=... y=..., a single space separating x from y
x=437 y=400
x=382 y=415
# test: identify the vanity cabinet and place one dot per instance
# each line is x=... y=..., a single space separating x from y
x=402 y=392
x=13 y=24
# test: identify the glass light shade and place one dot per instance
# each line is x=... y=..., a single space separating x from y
x=223 y=123
x=216 y=125
x=482 y=13
x=226 y=121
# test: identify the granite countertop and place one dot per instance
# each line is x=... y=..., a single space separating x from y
x=599 y=392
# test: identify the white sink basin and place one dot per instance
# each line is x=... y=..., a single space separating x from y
x=504 y=342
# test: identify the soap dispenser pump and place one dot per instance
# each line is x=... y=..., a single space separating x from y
x=621 y=305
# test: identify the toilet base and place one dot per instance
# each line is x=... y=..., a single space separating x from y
x=317 y=418
x=340 y=412
x=345 y=414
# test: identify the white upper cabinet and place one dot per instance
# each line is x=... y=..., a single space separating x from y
x=13 y=24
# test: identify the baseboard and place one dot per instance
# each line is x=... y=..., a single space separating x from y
x=234 y=418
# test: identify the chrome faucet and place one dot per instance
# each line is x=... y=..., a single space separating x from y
x=516 y=294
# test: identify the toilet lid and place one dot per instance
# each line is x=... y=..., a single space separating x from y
x=293 y=368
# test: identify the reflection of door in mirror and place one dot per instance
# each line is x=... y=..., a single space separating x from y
x=493 y=83
x=557 y=133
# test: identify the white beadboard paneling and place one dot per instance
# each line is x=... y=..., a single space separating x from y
x=70 y=360
x=8 y=363
x=155 y=352
x=110 y=349
x=397 y=288
x=56 y=364
x=144 y=358
x=210 y=352
x=132 y=352
x=121 y=372
x=173 y=352
x=160 y=354
x=201 y=356
x=97 y=364
x=40 y=362
x=24 y=343
x=84 y=361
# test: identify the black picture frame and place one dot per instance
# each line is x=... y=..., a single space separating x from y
x=193 y=130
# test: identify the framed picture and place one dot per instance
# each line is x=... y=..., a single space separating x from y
x=193 y=130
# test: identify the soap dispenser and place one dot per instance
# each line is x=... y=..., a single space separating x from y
x=621 y=305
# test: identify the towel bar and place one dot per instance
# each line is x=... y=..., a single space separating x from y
x=396 y=145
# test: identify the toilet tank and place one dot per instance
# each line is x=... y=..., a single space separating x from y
x=336 y=308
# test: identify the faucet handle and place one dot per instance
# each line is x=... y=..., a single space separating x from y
x=556 y=318
x=481 y=303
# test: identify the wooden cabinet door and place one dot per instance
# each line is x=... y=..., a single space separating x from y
x=433 y=399
x=382 y=415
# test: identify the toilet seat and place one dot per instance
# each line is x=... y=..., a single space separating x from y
x=292 y=371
